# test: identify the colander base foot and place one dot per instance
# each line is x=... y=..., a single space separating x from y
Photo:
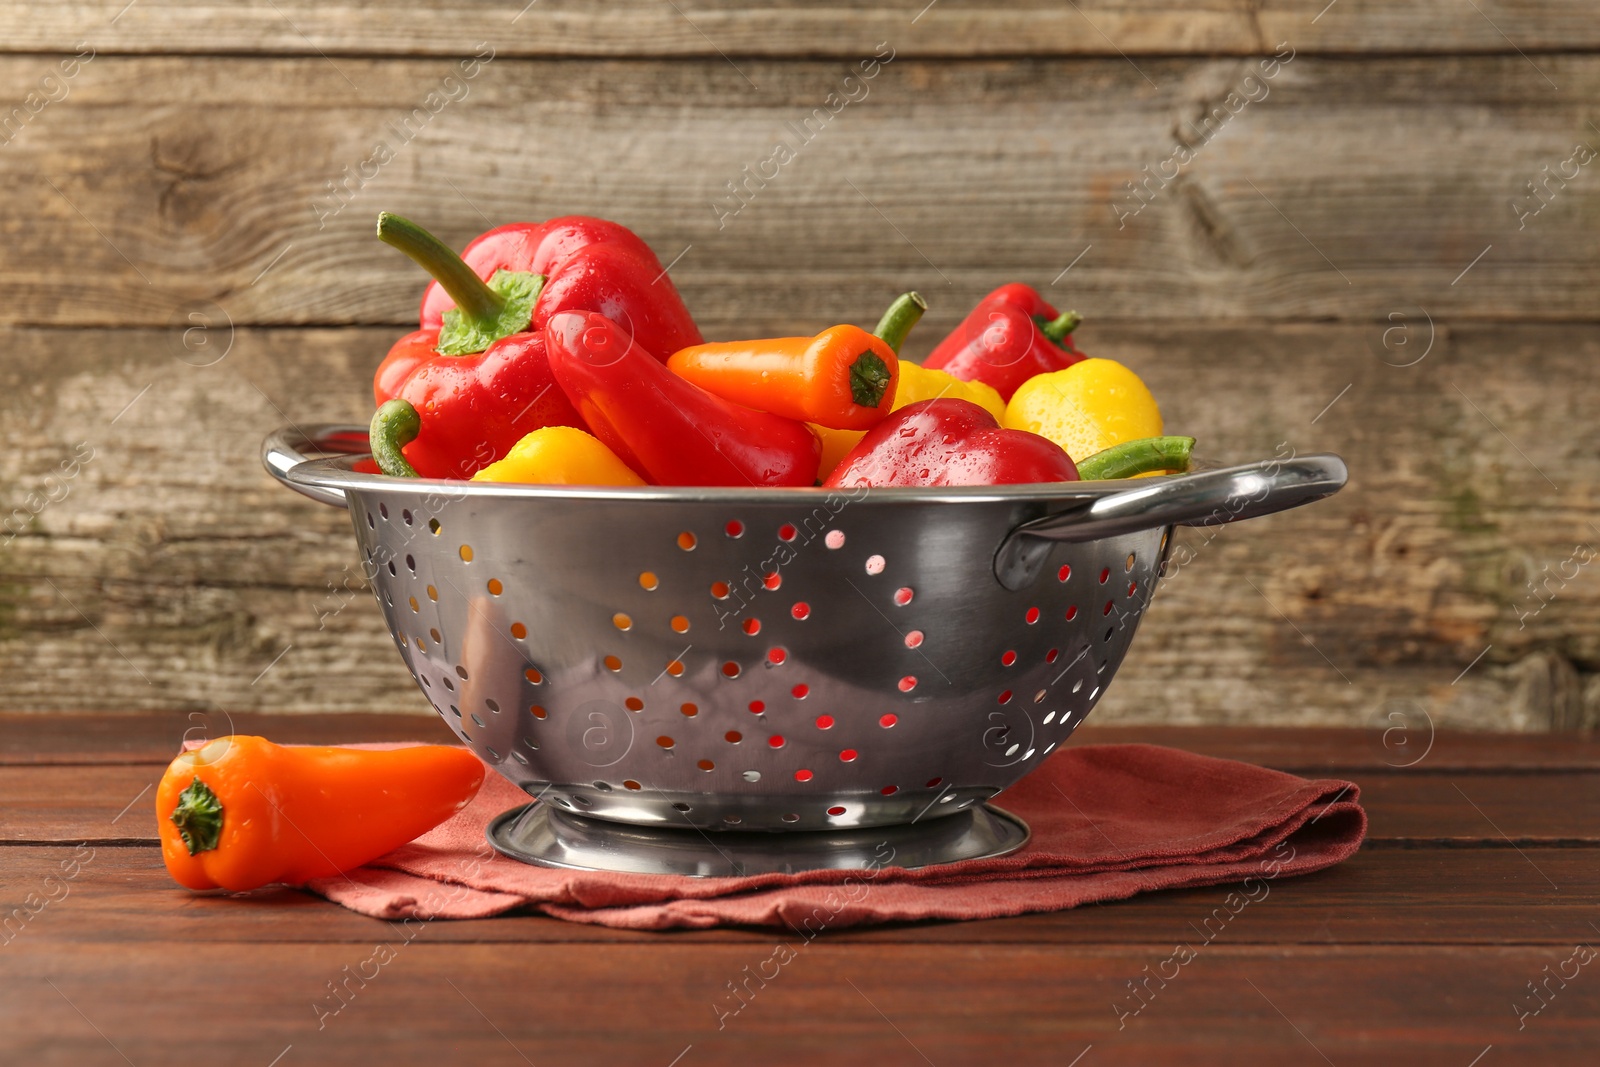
x=542 y=835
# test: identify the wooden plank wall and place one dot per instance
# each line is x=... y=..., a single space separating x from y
x=1353 y=260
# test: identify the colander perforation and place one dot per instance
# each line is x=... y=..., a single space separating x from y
x=777 y=660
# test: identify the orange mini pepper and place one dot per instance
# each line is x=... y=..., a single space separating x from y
x=242 y=812
x=843 y=378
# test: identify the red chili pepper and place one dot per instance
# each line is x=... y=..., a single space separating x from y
x=1009 y=337
x=949 y=442
x=668 y=429
x=477 y=372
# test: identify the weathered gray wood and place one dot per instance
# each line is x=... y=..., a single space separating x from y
x=1468 y=480
x=200 y=571
x=174 y=574
x=942 y=28
x=1352 y=190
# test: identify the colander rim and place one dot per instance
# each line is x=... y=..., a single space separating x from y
x=336 y=473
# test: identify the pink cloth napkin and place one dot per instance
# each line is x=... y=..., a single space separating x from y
x=1108 y=821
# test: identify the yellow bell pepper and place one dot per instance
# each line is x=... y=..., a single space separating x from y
x=1086 y=408
x=916 y=384
x=560 y=455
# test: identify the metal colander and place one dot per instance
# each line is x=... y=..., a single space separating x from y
x=656 y=664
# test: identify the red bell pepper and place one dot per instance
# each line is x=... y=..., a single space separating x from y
x=949 y=442
x=669 y=430
x=589 y=264
x=477 y=372
x=473 y=407
x=1009 y=337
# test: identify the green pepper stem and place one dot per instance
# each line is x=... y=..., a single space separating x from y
x=395 y=425
x=198 y=817
x=1057 y=329
x=1144 y=456
x=471 y=294
x=869 y=379
x=903 y=314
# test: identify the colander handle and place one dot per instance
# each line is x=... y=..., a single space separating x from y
x=286 y=449
x=1205 y=498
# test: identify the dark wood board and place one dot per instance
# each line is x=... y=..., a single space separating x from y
x=110 y=802
x=153 y=739
x=1408 y=952
x=834 y=1003
x=1381 y=896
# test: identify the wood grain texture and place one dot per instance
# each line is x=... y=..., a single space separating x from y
x=167 y=209
x=1404 y=955
x=703 y=28
x=1420 y=896
x=174 y=574
x=111 y=803
x=834 y=1003
x=1351 y=189
x=153 y=739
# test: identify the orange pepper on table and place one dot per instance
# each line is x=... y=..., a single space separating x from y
x=241 y=812
x=843 y=378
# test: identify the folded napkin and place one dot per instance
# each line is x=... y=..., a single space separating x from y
x=1108 y=821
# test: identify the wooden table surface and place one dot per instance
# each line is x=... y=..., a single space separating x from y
x=1479 y=877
